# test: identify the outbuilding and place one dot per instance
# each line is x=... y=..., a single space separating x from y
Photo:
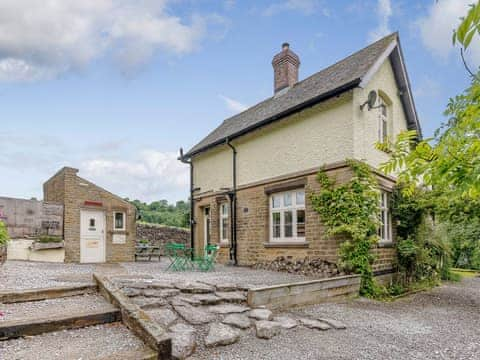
x=98 y=226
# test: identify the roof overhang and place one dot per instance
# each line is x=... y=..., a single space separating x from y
x=395 y=54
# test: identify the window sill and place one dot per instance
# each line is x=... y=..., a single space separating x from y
x=385 y=244
x=292 y=244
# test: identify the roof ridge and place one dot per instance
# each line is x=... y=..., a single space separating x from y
x=315 y=73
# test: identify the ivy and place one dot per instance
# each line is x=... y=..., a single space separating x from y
x=350 y=211
x=3 y=234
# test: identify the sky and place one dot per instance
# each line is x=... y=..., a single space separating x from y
x=116 y=87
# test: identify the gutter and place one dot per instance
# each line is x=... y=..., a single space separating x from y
x=233 y=206
x=305 y=105
x=184 y=160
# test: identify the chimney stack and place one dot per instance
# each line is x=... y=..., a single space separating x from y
x=285 y=68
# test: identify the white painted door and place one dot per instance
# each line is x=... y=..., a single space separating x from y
x=92 y=236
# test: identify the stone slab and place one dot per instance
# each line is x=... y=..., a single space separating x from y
x=194 y=315
x=228 y=309
x=338 y=325
x=267 y=329
x=220 y=335
x=238 y=320
x=314 y=324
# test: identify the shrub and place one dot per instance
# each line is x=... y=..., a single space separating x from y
x=49 y=239
x=3 y=234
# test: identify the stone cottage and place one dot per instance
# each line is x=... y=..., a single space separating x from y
x=251 y=176
x=98 y=226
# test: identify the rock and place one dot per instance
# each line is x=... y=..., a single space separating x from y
x=286 y=322
x=131 y=292
x=221 y=334
x=159 y=284
x=231 y=296
x=149 y=302
x=163 y=316
x=194 y=287
x=267 y=329
x=206 y=299
x=193 y=315
x=168 y=292
x=261 y=314
x=228 y=309
x=152 y=293
x=183 y=341
x=314 y=324
x=181 y=300
x=333 y=323
x=238 y=320
x=226 y=287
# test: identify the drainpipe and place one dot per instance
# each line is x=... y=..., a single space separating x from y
x=233 y=206
x=192 y=207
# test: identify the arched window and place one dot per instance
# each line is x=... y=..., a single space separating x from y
x=383 y=120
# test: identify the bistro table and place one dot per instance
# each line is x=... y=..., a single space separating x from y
x=146 y=252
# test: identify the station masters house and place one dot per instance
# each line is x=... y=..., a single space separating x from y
x=251 y=176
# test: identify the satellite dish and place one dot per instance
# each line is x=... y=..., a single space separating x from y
x=372 y=98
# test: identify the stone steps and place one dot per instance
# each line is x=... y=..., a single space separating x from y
x=29 y=327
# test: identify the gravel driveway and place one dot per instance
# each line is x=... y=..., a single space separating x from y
x=440 y=324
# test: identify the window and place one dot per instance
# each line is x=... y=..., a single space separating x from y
x=287 y=216
x=224 y=222
x=118 y=220
x=385 y=230
x=383 y=121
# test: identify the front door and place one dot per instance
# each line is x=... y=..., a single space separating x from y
x=206 y=225
x=92 y=236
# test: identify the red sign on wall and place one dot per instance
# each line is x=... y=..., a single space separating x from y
x=93 y=203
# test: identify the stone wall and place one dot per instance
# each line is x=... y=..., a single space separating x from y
x=253 y=245
x=30 y=218
x=160 y=235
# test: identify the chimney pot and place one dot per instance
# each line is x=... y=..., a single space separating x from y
x=285 y=68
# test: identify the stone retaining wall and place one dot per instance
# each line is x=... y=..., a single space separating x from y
x=160 y=235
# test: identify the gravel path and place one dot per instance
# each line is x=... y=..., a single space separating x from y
x=439 y=324
x=52 y=307
x=94 y=342
x=18 y=275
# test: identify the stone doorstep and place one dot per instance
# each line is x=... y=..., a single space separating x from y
x=18 y=328
x=137 y=320
x=8 y=296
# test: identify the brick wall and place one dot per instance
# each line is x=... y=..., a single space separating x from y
x=253 y=244
x=73 y=191
x=161 y=235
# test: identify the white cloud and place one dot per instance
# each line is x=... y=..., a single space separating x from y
x=437 y=26
x=306 y=7
x=384 y=13
x=233 y=105
x=41 y=39
x=152 y=175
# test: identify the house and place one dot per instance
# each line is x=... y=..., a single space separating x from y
x=98 y=226
x=252 y=175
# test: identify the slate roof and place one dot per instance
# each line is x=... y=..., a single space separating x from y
x=339 y=77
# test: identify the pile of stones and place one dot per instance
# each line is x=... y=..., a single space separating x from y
x=198 y=314
x=307 y=266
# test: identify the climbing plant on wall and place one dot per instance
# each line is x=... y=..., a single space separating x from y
x=350 y=210
x=3 y=234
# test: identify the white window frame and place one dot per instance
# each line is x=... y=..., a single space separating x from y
x=124 y=215
x=223 y=216
x=294 y=207
x=385 y=230
x=383 y=124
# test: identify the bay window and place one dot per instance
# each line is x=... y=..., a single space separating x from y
x=287 y=216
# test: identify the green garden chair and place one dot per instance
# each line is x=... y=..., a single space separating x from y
x=207 y=262
x=178 y=255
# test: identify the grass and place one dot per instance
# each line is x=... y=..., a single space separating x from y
x=465 y=273
x=49 y=239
